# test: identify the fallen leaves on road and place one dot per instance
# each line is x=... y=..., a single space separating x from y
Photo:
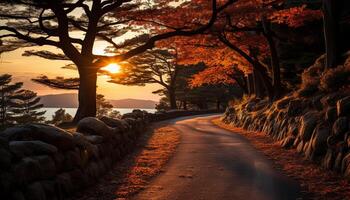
x=316 y=182
x=134 y=172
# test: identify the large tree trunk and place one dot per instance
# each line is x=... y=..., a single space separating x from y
x=250 y=84
x=275 y=62
x=331 y=32
x=258 y=84
x=86 y=95
x=172 y=98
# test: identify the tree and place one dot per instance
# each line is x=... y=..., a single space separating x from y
x=25 y=108
x=245 y=28
x=60 y=116
x=154 y=66
x=8 y=94
x=53 y=22
x=103 y=106
x=334 y=17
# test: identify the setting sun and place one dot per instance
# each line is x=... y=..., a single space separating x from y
x=112 y=68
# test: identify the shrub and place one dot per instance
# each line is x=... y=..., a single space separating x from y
x=334 y=79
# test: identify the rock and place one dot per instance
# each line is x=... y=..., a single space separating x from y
x=308 y=123
x=72 y=160
x=94 y=139
x=85 y=145
x=288 y=142
x=5 y=159
x=27 y=170
x=345 y=164
x=6 y=183
x=331 y=114
x=118 y=124
x=316 y=102
x=94 y=126
x=17 y=195
x=340 y=126
x=4 y=144
x=319 y=140
x=64 y=184
x=59 y=161
x=47 y=166
x=78 y=178
x=339 y=157
x=329 y=159
x=295 y=107
x=35 y=191
x=343 y=106
x=29 y=148
x=49 y=187
x=283 y=103
x=60 y=138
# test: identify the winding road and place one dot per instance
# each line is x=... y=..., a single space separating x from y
x=213 y=163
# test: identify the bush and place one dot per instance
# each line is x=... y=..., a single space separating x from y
x=310 y=78
x=334 y=79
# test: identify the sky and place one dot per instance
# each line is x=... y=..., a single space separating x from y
x=23 y=69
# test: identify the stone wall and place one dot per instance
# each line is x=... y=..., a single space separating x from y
x=40 y=162
x=44 y=162
x=318 y=127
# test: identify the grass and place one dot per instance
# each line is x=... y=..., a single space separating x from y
x=316 y=183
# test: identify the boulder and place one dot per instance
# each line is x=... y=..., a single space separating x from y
x=29 y=148
x=85 y=145
x=343 y=106
x=49 y=187
x=308 y=123
x=60 y=138
x=17 y=195
x=288 y=142
x=94 y=139
x=94 y=126
x=316 y=102
x=119 y=124
x=340 y=126
x=283 y=103
x=295 y=107
x=345 y=164
x=7 y=183
x=72 y=160
x=328 y=160
x=47 y=166
x=331 y=99
x=5 y=159
x=27 y=170
x=64 y=184
x=78 y=178
x=319 y=140
x=331 y=114
x=35 y=191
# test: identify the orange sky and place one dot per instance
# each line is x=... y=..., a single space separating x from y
x=24 y=68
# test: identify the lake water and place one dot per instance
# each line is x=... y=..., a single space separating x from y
x=72 y=111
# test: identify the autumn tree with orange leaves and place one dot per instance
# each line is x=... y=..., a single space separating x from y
x=56 y=23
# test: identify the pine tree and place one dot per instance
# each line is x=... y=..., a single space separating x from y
x=8 y=94
x=60 y=116
x=26 y=106
x=103 y=106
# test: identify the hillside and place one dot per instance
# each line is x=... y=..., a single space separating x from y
x=70 y=100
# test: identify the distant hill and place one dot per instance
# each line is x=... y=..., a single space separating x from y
x=60 y=100
x=133 y=103
x=70 y=100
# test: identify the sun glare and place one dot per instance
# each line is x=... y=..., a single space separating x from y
x=112 y=68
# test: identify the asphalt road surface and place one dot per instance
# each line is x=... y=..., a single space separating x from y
x=213 y=163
